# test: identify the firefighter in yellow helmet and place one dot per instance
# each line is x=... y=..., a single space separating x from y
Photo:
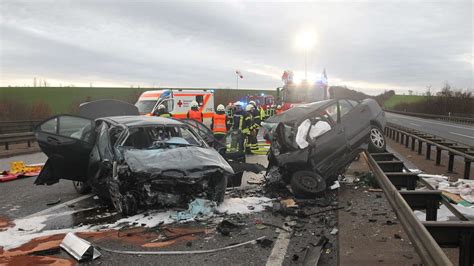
x=219 y=123
x=162 y=111
x=195 y=113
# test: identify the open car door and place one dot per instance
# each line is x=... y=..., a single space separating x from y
x=206 y=134
x=67 y=141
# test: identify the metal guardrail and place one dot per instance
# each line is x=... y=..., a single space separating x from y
x=427 y=237
x=7 y=127
x=457 y=119
x=7 y=139
x=407 y=135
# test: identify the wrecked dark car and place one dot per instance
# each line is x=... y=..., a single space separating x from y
x=134 y=161
x=312 y=143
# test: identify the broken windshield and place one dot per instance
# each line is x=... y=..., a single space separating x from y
x=161 y=137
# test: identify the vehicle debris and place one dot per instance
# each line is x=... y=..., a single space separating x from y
x=225 y=227
x=79 y=248
x=313 y=252
x=312 y=143
x=183 y=252
x=53 y=202
x=199 y=209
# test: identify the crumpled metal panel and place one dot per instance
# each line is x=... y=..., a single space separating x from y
x=186 y=160
x=79 y=248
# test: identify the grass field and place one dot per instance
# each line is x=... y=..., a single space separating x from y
x=396 y=99
x=61 y=99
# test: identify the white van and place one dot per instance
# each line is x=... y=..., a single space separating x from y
x=177 y=101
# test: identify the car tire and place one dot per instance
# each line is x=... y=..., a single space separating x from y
x=82 y=188
x=307 y=184
x=126 y=204
x=377 y=142
x=216 y=190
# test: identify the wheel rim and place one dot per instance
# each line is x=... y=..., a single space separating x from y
x=377 y=138
x=309 y=183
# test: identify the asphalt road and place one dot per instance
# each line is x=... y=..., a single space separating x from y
x=25 y=205
x=463 y=134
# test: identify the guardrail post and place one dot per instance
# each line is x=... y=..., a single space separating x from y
x=420 y=146
x=407 y=140
x=397 y=136
x=451 y=163
x=428 y=151
x=467 y=169
x=438 y=155
x=412 y=143
x=6 y=145
x=29 y=144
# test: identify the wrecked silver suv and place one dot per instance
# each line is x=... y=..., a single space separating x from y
x=134 y=161
x=312 y=143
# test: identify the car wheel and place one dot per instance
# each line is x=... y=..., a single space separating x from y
x=81 y=187
x=377 y=141
x=126 y=205
x=217 y=186
x=307 y=184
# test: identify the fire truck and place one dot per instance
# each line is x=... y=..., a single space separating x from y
x=263 y=100
x=177 y=101
x=293 y=93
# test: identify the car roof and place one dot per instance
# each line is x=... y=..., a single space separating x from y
x=298 y=112
x=141 y=120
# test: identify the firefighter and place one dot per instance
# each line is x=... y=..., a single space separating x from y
x=195 y=113
x=162 y=111
x=229 y=109
x=240 y=127
x=278 y=110
x=253 y=129
x=271 y=111
x=219 y=123
x=258 y=115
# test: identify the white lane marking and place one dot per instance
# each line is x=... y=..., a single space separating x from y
x=415 y=124
x=466 y=136
x=279 y=249
x=55 y=207
x=427 y=121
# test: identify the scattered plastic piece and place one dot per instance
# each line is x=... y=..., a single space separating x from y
x=198 y=208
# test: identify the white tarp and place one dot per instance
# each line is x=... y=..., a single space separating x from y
x=315 y=131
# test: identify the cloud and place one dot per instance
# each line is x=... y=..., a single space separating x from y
x=366 y=45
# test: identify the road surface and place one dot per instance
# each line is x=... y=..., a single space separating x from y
x=463 y=134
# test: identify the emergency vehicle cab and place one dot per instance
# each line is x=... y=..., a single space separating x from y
x=177 y=101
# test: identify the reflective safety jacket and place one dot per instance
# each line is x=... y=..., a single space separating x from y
x=219 y=123
x=195 y=115
x=241 y=121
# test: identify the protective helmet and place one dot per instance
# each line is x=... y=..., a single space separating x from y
x=221 y=108
x=273 y=106
x=253 y=103
x=249 y=107
x=237 y=104
x=279 y=107
x=161 y=107
x=194 y=104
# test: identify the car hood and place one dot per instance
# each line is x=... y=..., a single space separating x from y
x=183 y=161
x=297 y=112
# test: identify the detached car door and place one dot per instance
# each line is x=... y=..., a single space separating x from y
x=67 y=141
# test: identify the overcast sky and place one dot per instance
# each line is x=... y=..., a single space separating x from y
x=366 y=45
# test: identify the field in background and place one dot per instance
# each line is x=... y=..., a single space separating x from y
x=65 y=99
x=397 y=99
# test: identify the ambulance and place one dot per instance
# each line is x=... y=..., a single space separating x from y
x=177 y=101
